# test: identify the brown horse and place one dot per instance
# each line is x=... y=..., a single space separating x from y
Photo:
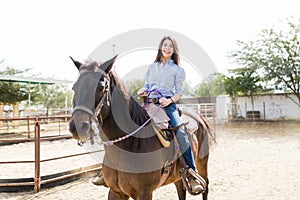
x=135 y=161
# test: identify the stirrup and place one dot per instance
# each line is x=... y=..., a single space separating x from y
x=189 y=173
x=197 y=177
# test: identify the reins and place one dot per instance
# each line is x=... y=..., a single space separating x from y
x=98 y=108
x=111 y=142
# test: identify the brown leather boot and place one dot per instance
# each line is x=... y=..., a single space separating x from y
x=196 y=186
x=99 y=181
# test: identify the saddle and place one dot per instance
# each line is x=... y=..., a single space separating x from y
x=160 y=124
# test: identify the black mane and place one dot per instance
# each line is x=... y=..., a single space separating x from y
x=137 y=112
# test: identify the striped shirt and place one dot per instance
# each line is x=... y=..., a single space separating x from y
x=166 y=78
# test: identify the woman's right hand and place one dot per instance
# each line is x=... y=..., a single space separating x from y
x=142 y=91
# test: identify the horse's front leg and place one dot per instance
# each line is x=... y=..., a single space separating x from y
x=112 y=195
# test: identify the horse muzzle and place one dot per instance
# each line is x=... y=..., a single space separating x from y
x=80 y=127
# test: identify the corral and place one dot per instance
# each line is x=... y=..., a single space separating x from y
x=250 y=160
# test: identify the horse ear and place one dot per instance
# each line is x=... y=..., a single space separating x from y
x=106 y=66
x=76 y=63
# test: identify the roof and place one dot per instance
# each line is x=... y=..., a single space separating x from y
x=30 y=80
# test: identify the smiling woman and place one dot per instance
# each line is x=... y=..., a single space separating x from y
x=133 y=65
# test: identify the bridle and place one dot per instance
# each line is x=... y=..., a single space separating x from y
x=94 y=115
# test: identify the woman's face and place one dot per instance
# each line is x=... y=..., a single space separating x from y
x=167 y=49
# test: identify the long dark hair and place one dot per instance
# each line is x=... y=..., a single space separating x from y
x=175 y=55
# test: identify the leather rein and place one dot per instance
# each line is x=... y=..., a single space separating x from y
x=94 y=115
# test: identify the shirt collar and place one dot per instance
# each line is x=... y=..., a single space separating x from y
x=169 y=62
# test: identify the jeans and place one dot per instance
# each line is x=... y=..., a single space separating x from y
x=181 y=136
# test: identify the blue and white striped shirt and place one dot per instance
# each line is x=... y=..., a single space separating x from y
x=166 y=78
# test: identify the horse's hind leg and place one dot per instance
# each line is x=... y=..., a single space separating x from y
x=181 y=192
x=205 y=194
x=117 y=196
x=202 y=171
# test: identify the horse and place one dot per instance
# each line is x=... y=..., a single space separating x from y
x=134 y=160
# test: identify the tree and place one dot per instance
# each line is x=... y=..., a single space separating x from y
x=243 y=81
x=11 y=92
x=50 y=96
x=187 y=88
x=134 y=85
x=276 y=56
x=53 y=96
x=212 y=86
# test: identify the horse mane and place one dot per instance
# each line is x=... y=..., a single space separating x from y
x=91 y=66
x=137 y=112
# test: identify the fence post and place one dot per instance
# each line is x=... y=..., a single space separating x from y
x=28 y=127
x=215 y=123
x=37 y=174
x=59 y=125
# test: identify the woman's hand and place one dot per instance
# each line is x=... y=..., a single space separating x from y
x=142 y=91
x=164 y=102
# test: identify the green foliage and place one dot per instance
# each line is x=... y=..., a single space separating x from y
x=276 y=56
x=53 y=96
x=247 y=82
x=243 y=81
x=212 y=86
x=187 y=89
x=11 y=93
x=134 y=85
x=6 y=70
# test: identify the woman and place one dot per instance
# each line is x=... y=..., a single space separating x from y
x=164 y=80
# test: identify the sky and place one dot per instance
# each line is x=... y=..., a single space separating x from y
x=41 y=35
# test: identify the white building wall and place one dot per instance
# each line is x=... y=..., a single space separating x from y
x=271 y=107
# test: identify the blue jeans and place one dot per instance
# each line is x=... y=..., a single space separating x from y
x=181 y=136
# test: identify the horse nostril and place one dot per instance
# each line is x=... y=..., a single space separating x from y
x=84 y=127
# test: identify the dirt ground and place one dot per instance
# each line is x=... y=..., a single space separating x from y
x=252 y=160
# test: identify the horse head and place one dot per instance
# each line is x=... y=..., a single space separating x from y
x=91 y=94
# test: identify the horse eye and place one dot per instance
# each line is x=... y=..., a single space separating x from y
x=102 y=83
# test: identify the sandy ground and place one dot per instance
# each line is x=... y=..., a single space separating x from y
x=250 y=161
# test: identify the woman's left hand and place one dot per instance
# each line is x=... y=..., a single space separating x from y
x=164 y=102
